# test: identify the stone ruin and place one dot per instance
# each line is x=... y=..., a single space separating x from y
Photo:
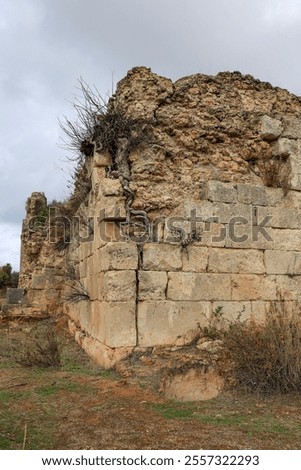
x=201 y=217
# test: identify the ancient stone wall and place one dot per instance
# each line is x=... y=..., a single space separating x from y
x=42 y=268
x=202 y=220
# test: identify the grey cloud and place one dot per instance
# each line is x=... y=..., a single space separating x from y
x=46 y=46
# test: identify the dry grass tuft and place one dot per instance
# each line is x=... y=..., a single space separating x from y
x=276 y=173
x=39 y=347
x=267 y=356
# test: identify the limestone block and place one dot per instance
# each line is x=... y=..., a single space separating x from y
x=297 y=264
x=102 y=159
x=284 y=217
x=286 y=239
x=250 y=194
x=119 y=256
x=14 y=295
x=259 y=310
x=162 y=323
x=291 y=200
x=108 y=231
x=54 y=282
x=98 y=239
x=72 y=310
x=249 y=236
x=97 y=327
x=116 y=324
x=213 y=234
x=93 y=285
x=85 y=250
x=91 y=265
x=110 y=187
x=252 y=287
x=295 y=161
x=282 y=262
x=120 y=285
x=270 y=128
x=262 y=215
x=227 y=260
x=111 y=208
x=103 y=355
x=49 y=272
x=199 y=286
x=35 y=297
x=223 y=192
x=275 y=196
x=83 y=268
x=38 y=281
x=284 y=147
x=85 y=316
x=231 y=311
x=194 y=384
x=162 y=257
x=202 y=209
x=152 y=285
x=195 y=258
x=230 y=213
x=100 y=285
x=288 y=287
x=52 y=295
x=292 y=127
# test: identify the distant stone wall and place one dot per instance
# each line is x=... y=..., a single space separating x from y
x=202 y=234
x=42 y=267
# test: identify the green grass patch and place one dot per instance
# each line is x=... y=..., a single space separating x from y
x=215 y=417
x=40 y=431
x=10 y=395
x=52 y=389
x=173 y=411
x=269 y=425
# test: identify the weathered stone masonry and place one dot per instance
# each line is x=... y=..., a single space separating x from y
x=202 y=172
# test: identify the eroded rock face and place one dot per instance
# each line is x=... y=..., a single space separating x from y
x=194 y=384
x=204 y=128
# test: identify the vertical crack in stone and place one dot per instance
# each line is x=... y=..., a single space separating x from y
x=139 y=268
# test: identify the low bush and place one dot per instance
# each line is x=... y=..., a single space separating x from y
x=39 y=348
x=266 y=355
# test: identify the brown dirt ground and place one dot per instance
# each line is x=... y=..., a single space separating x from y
x=80 y=406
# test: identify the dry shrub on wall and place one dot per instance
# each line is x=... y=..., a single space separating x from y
x=39 y=348
x=77 y=292
x=266 y=356
x=276 y=173
x=100 y=124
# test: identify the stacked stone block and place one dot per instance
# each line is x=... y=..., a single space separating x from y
x=248 y=254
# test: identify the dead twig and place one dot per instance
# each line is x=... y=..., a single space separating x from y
x=25 y=436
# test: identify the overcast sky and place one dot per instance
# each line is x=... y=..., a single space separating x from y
x=47 y=45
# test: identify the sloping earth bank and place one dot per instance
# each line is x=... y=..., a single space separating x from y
x=79 y=406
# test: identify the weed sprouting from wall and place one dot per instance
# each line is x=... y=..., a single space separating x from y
x=100 y=125
x=77 y=292
x=79 y=133
x=276 y=173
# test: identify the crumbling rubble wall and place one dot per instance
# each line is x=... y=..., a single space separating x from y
x=213 y=227
x=42 y=267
